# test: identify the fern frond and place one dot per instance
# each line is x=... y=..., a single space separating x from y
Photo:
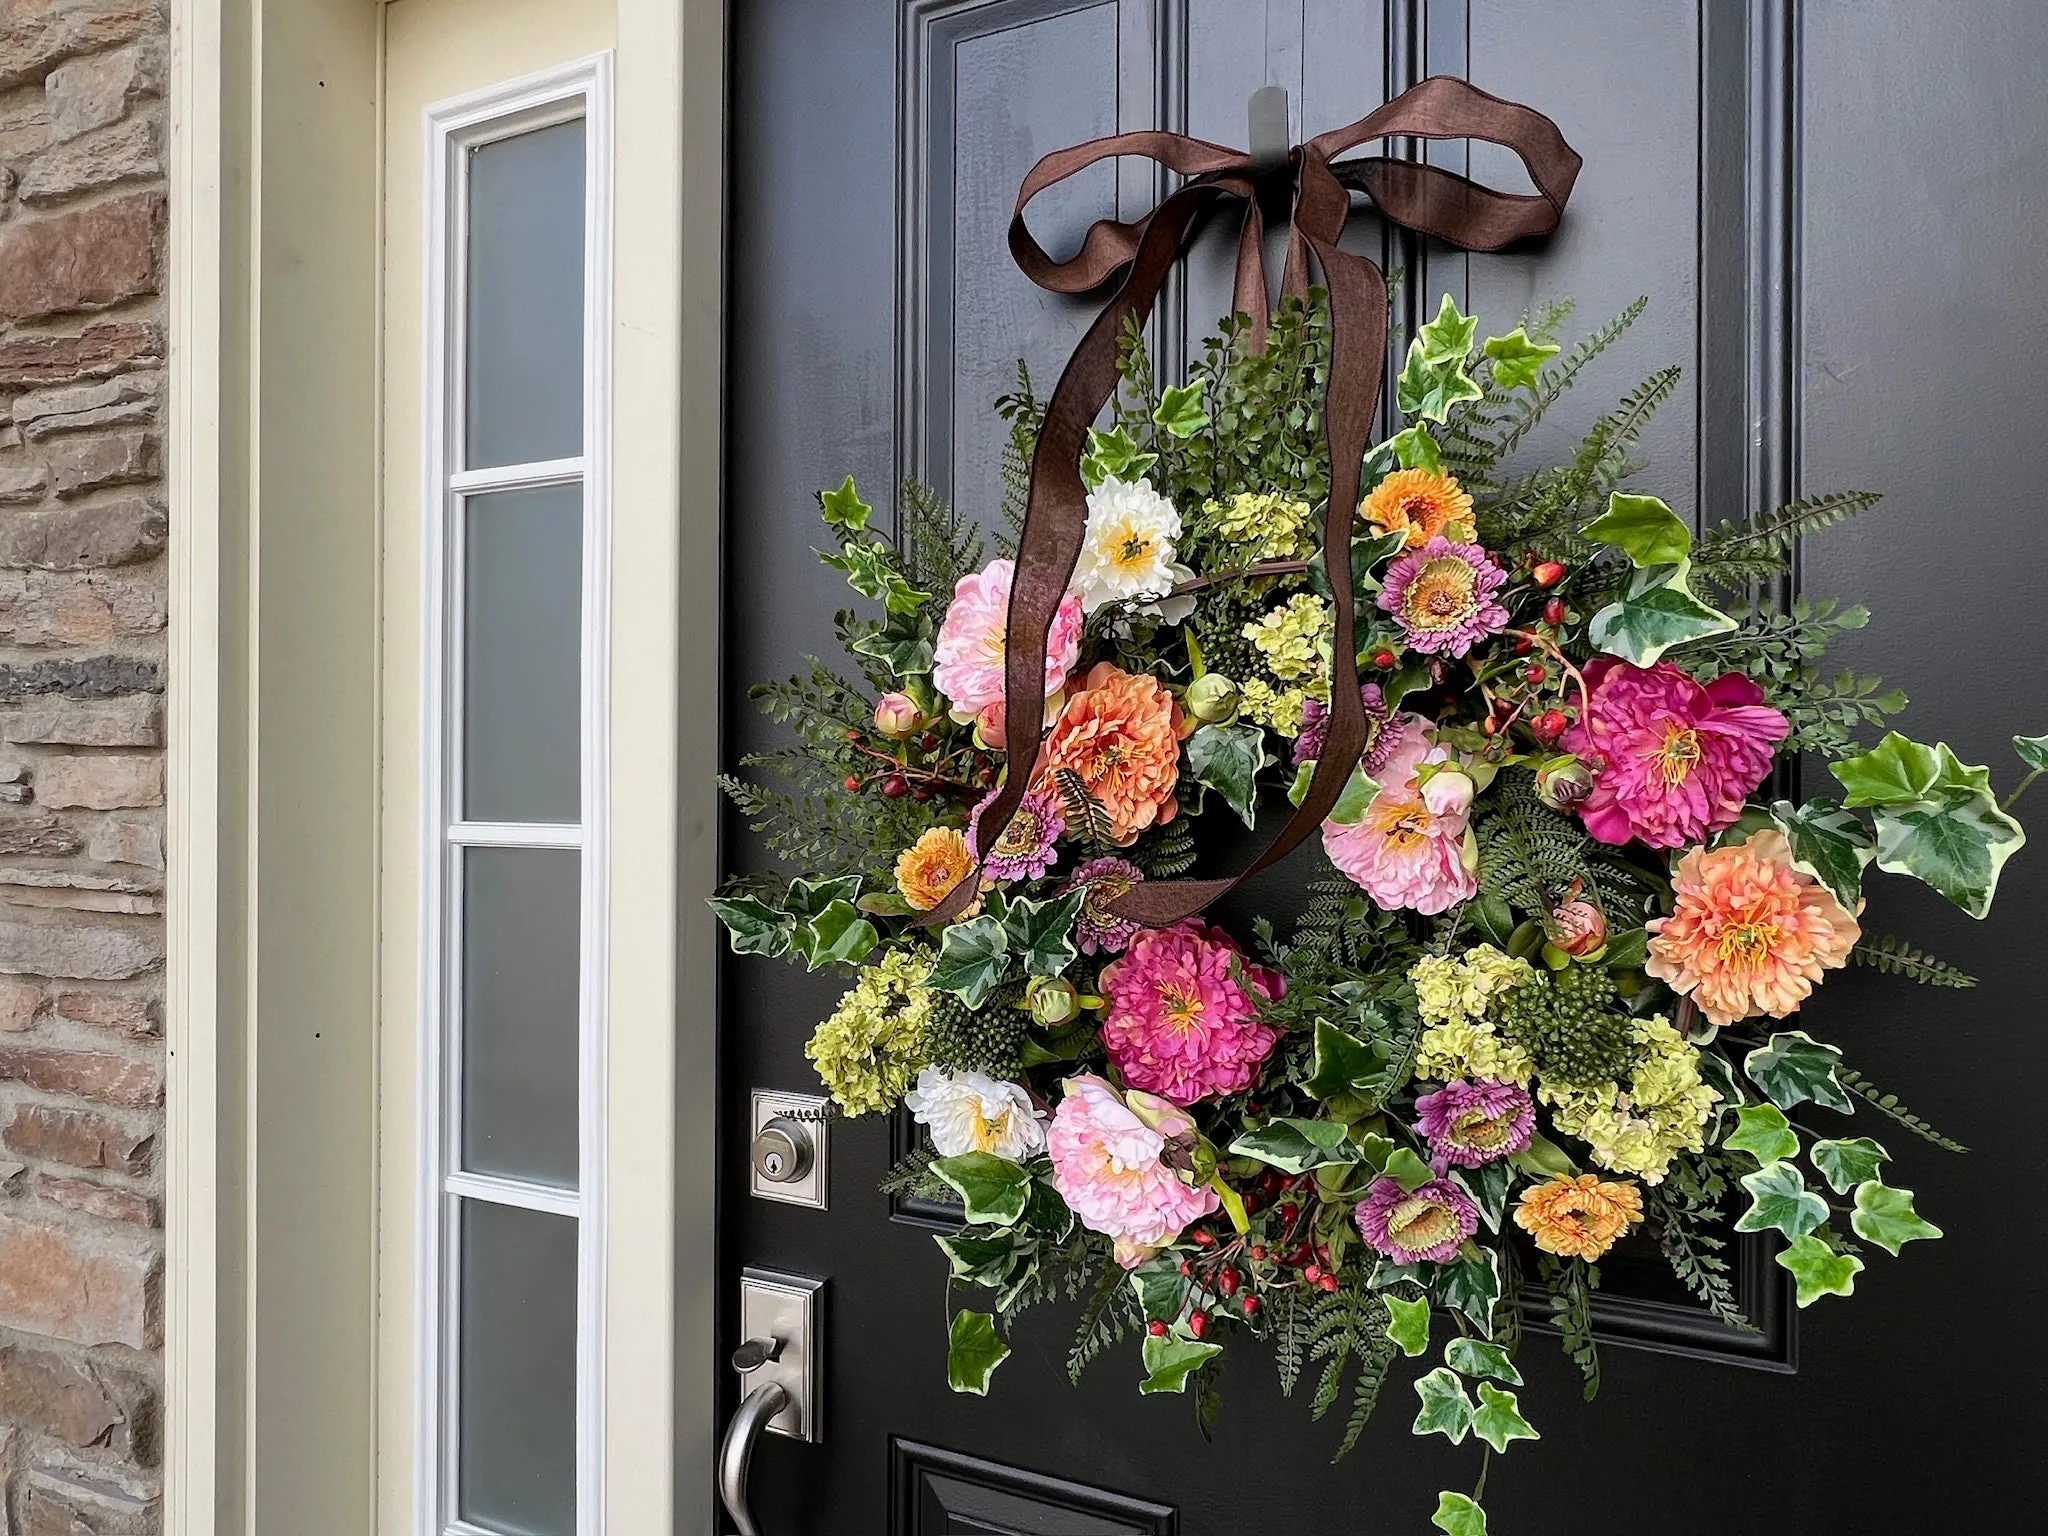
x=1884 y=953
x=1571 y=1285
x=1734 y=553
x=1105 y=1318
x=1562 y=374
x=1888 y=1103
x=1085 y=815
x=939 y=545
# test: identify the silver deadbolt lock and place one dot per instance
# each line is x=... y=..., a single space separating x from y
x=782 y=1150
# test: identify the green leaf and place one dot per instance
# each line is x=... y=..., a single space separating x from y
x=993 y=1189
x=972 y=959
x=1180 y=410
x=1161 y=1288
x=903 y=645
x=807 y=898
x=1763 y=1132
x=1113 y=453
x=980 y=1257
x=1829 y=843
x=1845 y=1164
x=1448 y=338
x=1446 y=1410
x=1353 y=800
x=1476 y=1357
x=1499 y=1419
x=1627 y=951
x=1819 y=1270
x=1657 y=611
x=973 y=1352
x=1957 y=843
x=1885 y=1216
x=1488 y=1186
x=1416 y=449
x=1897 y=771
x=1038 y=932
x=872 y=571
x=1471 y=1284
x=1457 y=1515
x=2033 y=751
x=1170 y=1360
x=1544 y=1159
x=1793 y=1068
x=754 y=927
x=1408 y=1324
x=1408 y=1170
x=1516 y=359
x=1343 y=1062
x=1430 y=390
x=1227 y=759
x=1295 y=1146
x=843 y=508
x=1643 y=528
x=1781 y=1202
x=837 y=933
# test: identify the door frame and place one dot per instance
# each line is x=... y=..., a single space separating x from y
x=273 y=1405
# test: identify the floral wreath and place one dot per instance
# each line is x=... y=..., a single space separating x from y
x=1532 y=1004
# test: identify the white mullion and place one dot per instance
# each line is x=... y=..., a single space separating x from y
x=494 y=1190
x=514 y=834
x=516 y=477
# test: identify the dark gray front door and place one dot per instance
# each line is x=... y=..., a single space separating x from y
x=1833 y=208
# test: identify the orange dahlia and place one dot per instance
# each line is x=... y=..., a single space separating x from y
x=1579 y=1217
x=1750 y=934
x=1422 y=503
x=1121 y=735
x=932 y=866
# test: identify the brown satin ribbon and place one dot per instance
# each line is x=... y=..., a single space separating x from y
x=1423 y=198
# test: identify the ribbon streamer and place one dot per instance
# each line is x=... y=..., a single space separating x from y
x=1424 y=198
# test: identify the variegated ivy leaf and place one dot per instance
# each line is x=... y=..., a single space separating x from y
x=1476 y=1357
x=1408 y=1324
x=1180 y=410
x=1780 y=1201
x=1819 y=1270
x=873 y=571
x=1038 y=932
x=1518 y=361
x=1847 y=1163
x=1656 y=611
x=1170 y=1361
x=1885 y=1216
x=972 y=959
x=1416 y=449
x=1957 y=844
x=1343 y=1062
x=1471 y=1284
x=839 y=933
x=1429 y=391
x=2033 y=751
x=1793 y=1068
x=973 y=1351
x=1446 y=1410
x=843 y=508
x=1457 y=1515
x=1228 y=759
x=1499 y=1419
x=1829 y=842
x=1764 y=1133
x=1447 y=338
x=1643 y=528
x=1113 y=453
x=754 y=927
x=1295 y=1146
x=993 y=1189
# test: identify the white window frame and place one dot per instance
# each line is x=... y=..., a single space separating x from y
x=581 y=89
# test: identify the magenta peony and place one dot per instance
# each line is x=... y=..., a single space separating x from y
x=1672 y=759
x=968 y=666
x=1409 y=849
x=1109 y=1164
x=1429 y=1223
x=1183 y=1013
x=1471 y=1123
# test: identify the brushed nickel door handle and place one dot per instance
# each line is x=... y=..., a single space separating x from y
x=736 y=1454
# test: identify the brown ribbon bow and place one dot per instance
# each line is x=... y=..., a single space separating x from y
x=1424 y=198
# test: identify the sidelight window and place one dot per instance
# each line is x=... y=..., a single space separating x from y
x=516 y=434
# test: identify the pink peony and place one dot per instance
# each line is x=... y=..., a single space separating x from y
x=1183 y=1013
x=969 y=655
x=1476 y=1122
x=1408 y=851
x=1109 y=1164
x=1672 y=759
x=1429 y=1223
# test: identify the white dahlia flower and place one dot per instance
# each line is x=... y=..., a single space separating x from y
x=1127 y=551
x=972 y=1112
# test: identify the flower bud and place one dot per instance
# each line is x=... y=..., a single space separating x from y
x=898 y=717
x=1548 y=574
x=1562 y=783
x=1212 y=697
x=1448 y=793
x=1578 y=928
x=1053 y=1001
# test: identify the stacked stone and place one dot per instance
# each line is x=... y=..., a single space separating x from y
x=82 y=658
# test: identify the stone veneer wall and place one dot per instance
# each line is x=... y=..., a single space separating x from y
x=82 y=656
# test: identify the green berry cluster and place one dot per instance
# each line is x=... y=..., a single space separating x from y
x=1218 y=624
x=1567 y=1022
x=985 y=1039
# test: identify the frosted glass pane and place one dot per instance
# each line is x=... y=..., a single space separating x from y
x=522 y=724
x=524 y=380
x=517 y=1452
x=520 y=913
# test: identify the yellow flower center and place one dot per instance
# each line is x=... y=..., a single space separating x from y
x=1023 y=834
x=1479 y=1130
x=1133 y=547
x=1183 y=1007
x=1674 y=759
x=1403 y=823
x=1417 y=1224
x=1440 y=596
x=988 y=1133
x=1748 y=944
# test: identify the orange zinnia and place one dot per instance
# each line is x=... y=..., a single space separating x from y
x=1751 y=934
x=1120 y=734
x=1579 y=1217
x=932 y=866
x=1421 y=503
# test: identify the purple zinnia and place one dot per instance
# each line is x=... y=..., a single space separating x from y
x=1442 y=595
x=1379 y=742
x=1473 y=1123
x=1024 y=850
x=1097 y=928
x=1429 y=1222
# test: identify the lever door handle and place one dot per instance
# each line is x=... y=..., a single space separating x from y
x=736 y=1454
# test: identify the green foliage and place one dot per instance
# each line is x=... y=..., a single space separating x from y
x=940 y=544
x=1446 y=1409
x=1885 y=1216
x=1781 y=650
x=1228 y=759
x=1086 y=819
x=1884 y=953
x=1265 y=427
x=1641 y=527
x=1408 y=1324
x=1680 y=1211
x=1794 y=1067
x=973 y=1351
x=1023 y=411
x=1170 y=1360
x=1734 y=554
x=1764 y=1133
x=1829 y=842
x=1346 y=1329
x=1477 y=1357
x=1163 y=853
x=1888 y=1104
x=1531 y=858
x=993 y=1190
x=1499 y=1420
x=1845 y=1164
x=1571 y=1283
x=1458 y=1515
x=1518 y=361
x=1779 y=1201
x=1654 y=612
x=1936 y=818
x=1107 y=1317
x=1819 y=1269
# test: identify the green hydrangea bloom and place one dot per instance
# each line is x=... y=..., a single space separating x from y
x=871 y=1047
x=1290 y=638
x=1262 y=525
x=1453 y=995
x=1280 y=708
x=1640 y=1127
